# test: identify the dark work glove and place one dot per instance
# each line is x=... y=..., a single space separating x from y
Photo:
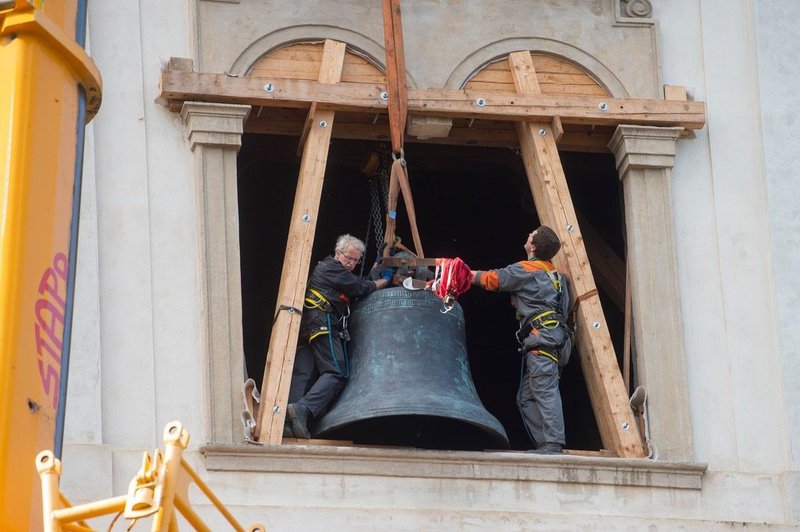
x=387 y=274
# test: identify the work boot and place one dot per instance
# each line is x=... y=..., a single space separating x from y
x=287 y=431
x=298 y=417
x=549 y=448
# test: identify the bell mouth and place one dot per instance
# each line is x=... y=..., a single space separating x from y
x=419 y=431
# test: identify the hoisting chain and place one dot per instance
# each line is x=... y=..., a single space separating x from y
x=379 y=193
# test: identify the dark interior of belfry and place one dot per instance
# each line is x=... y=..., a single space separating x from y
x=471 y=202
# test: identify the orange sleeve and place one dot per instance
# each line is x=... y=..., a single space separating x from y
x=489 y=280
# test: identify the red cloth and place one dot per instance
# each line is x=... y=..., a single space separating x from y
x=453 y=278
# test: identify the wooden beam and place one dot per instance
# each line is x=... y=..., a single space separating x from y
x=395 y=72
x=494 y=137
x=312 y=112
x=554 y=205
x=608 y=267
x=450 y=103
x=675 y=92
x=283 y=341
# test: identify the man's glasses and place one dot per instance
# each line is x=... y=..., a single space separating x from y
x=349 y=258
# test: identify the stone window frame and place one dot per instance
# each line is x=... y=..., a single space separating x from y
x=644 y=158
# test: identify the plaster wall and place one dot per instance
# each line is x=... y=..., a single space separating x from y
x=777 y=32
x=470 y=32
x=134 y=363
x=724 y=250
x=137 y=318
x=779 y=73
x=357 y=502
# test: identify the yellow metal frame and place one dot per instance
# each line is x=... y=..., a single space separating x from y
x=42 y=72
x=159 y=488
x=25 y=19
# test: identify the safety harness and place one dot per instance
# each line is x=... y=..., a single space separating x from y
x=315 y=300
x=548 y=319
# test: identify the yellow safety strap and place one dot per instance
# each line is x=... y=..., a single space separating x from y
x=551 y=356
x=317 y=301
x=321 y=302
x=320 y=332
x=553 y=277
x=546 y=324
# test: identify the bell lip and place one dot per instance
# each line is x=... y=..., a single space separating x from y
x=493 y=428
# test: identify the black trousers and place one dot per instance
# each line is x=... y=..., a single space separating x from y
x=316 y=379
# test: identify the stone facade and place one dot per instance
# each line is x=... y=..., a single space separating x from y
x=156 y=330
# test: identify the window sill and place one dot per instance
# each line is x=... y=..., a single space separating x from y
x=420 y=463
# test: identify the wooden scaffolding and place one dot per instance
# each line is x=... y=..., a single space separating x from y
x=552 y=105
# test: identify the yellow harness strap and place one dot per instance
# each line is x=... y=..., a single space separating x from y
x=553 y=276
x=546 y=323
x=314 y=299
x=539 y=352
x=320 y=332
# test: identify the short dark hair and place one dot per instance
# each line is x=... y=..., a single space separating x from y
x=546 y=242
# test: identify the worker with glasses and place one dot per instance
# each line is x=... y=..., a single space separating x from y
x=321 y=365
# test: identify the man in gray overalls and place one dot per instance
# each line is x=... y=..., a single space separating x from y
x=541 y=297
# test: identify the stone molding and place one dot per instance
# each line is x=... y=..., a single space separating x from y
x=637 y=8
x=419 y=463
x=639 y=147
x=633 y=13
x=214 y=124
x=214 y=132
x=644 y=157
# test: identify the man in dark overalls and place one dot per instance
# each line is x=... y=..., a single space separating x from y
x=541 y=297
x=320 y=366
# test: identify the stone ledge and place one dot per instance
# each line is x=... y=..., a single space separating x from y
x=514 y=466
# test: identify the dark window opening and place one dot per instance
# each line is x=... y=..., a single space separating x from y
x=474 y=203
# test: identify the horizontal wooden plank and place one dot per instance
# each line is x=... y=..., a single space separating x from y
x=555 y=76
x=546 y=87
x=303 y=60
x=500 y=136
x=194 y=86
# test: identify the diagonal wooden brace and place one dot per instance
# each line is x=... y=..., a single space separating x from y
x=554 y=205
x=283 y=340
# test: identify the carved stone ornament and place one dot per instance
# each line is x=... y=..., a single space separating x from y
x=638 y=8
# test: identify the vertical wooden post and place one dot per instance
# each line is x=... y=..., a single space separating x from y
x=395 y=72
x=554 y=205
x=283 y=341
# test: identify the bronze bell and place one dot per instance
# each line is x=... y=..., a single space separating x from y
x=410 y=382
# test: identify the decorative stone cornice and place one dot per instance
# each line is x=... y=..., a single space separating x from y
x=214 y=124
x=500 y=466
x=643 y=147
x=638 y=8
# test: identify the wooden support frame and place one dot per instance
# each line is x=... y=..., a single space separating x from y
x=540 y=121
x=553 y=202
x=180 y=85
x=283 y=341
